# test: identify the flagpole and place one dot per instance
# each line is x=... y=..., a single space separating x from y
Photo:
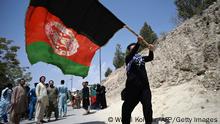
x=100 y=66
x=71 y=83
x=129 y=29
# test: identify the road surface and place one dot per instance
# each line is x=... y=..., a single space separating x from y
x=75 y=117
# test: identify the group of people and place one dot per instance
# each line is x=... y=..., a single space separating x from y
x=137 y=88
x=14 y=102
x=92 y=97
x=98 y=99
x=45 y=98
x=48 y=98
x=21 y=101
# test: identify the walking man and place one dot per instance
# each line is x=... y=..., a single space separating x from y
x=53 y=100
x=63 y=92
x=42 y=100
x=137 y=86
x=85 y=97
x=19 y=102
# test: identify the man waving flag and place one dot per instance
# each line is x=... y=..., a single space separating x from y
x=67 y=33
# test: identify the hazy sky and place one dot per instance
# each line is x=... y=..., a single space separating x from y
x=157 y=13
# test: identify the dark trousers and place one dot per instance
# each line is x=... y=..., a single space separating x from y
x=86 y=103
x=5 y=117
x=133 y=96
x=52 y=108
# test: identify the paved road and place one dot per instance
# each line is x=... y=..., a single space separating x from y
x=75 y=117
x=110 y=115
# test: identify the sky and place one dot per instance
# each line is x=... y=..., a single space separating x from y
x=157 y=13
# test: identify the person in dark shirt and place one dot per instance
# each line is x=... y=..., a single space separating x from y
x=137 y=87
x=85 y=97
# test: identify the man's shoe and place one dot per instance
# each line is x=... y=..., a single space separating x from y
x=43 y=121
x=48 y=120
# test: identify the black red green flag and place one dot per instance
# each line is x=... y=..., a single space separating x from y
x=67 y=33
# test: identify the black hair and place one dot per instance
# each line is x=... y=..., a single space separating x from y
x=51 y=81
x=41 y=78
x=35 y=84
x=129 y=46
x=9 y=85
x=22 y=79
x=62 y=81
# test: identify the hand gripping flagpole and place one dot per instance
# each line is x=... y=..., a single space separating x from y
x=129 y=29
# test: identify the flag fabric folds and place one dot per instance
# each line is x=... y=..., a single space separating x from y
x=67 y=33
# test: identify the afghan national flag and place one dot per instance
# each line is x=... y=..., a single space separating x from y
x=67 y=33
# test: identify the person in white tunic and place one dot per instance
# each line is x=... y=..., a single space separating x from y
x=42 y=100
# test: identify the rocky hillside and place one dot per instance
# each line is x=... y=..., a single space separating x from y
x=189 y=52
x=185 y=72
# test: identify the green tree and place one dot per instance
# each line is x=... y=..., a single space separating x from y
x=119 y=58
x=188 y=8
x=148 y=34
x=10 y=69
x=108 y=72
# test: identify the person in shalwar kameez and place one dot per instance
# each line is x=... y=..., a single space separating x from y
x=5 y=102
x=53 y=100
x=42 y=100
x=63 y=92
x=19 y=102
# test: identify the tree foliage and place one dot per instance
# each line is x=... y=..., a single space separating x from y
x=108 y=72
x=10 y=69
x=148 y=34
x=119 y=58
x=188 y=8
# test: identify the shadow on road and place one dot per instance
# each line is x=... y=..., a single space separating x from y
x=90 y=113
x=93 y=122
x=33 y=122
x=70 y=115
